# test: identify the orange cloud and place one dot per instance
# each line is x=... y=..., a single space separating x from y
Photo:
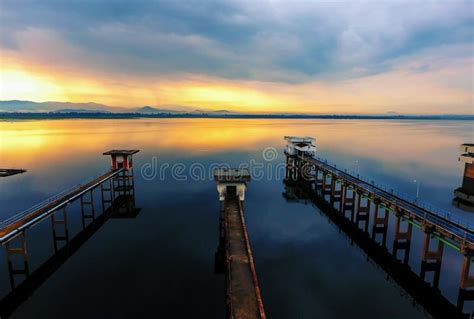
x=401 y=89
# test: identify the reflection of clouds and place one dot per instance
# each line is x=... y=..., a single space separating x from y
x=391 y=141
x=406 y=147
x=316 y=257
x=61 y=153
x=396 y=141
x=297 y=225
x=313 y=268
x=289 y=239
x=233 y=57
x=56 y=141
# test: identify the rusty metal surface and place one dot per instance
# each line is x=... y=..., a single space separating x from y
x=120 y=152
x=243 y=292
x=231 y=175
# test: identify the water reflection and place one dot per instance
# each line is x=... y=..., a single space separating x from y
x=425 y=294
x=5 y=172
x=295 y=249
x=119 y=204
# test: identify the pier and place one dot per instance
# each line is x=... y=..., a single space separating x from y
x=364 y=203
x=19 y=223
x=464 y=195
x=361 y=209
x=234 y=255
x=122 y=205
x=115 y=185
x=121 y=168
x=5 y=172
x=422 y=292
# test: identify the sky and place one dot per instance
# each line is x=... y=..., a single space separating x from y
x=250 y=56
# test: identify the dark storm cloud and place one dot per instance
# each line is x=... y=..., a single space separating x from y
x=262 y=40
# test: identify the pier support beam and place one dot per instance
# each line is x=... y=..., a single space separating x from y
x=127 y=208
x=219 y=256
x=288 y=170
x=21 y=250
x=363 y=211
x=402 y=239
x=318 y=181
x=466 y=287
x=87 y=203
x=431 y=259
x=467 y=280
x=107 y=194
x=343 y=196
x=298 y=170
x=294 y=170
x=336 y=193
x=380 y=222
x=123 y=183
x=54 y=223
x=348 y=202
x=326 y=189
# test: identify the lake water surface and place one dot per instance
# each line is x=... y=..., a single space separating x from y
x=161 y=263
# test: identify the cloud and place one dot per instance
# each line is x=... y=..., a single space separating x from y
x=295 y=56
x=257 y=40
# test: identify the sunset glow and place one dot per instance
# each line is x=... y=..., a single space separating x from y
x=120 y=64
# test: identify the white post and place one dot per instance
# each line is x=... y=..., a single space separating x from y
x=417 y=189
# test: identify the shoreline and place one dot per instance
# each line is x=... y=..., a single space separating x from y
x=53 y=116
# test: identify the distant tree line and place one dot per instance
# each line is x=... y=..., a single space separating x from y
x=101 y=115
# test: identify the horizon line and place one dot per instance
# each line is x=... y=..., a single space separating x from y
x=204 y=110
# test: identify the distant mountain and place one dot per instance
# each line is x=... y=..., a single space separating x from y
x=69 y=107
x=178 y=110
x=79 y=111
x=207 y=111
x=26 y=109
x=153 y=110
x=29 y=106
x=22 y=106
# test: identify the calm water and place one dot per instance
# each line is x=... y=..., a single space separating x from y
x=161 y=263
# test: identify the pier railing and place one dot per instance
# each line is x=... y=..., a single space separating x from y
x=443 y=213
x=42 y=204
x=435 y=223
x=459 y=231
x=37 y=213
